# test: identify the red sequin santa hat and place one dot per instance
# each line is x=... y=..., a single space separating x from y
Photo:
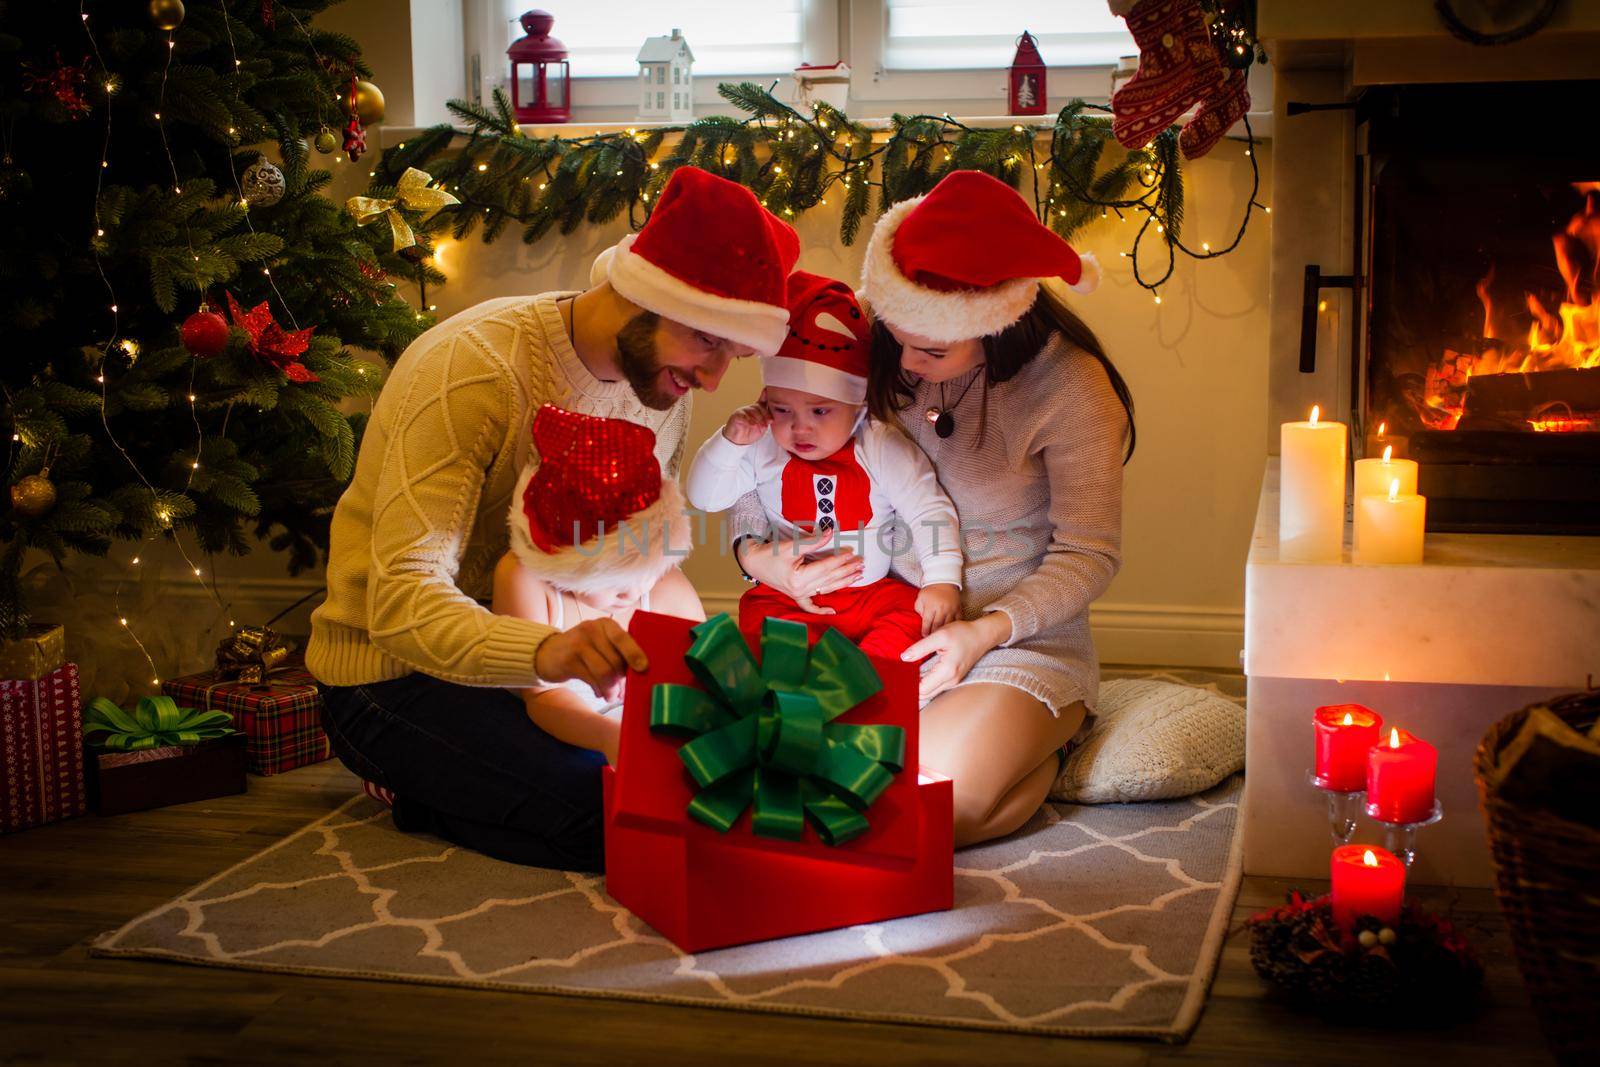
x=592 y=513
x=965 y=260
x=829 y=345
x=710 y=257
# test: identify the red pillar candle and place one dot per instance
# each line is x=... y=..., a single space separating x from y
x=1400 y=771
x=1367 y=880
x=1345 y=733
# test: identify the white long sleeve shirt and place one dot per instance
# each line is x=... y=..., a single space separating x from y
x=877 y=483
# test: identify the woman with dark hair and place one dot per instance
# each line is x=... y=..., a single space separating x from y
x=1028 y=425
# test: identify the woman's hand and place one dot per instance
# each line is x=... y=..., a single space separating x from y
x=784 y=565
x=938 y=604
x=958 y=646
x=598 y=653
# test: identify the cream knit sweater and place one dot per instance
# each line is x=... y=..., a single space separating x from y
x=416 y=536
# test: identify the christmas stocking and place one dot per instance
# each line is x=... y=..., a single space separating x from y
x=1218 y=112
x=1178 y=65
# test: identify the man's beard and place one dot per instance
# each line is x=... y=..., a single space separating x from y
x=636 y=358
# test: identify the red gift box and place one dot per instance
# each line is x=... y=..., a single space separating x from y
x=703 y=889
x=282 y=718
x=41 y=746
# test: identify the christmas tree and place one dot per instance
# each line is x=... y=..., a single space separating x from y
x=180 y=307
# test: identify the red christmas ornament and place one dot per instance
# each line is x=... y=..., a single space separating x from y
x=1025 y=87
x=271 y=343
x=355 y=138
x=62 y=82
x=204 y=334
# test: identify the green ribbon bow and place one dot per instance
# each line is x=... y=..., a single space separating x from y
x=766 y=734
x=154 y=723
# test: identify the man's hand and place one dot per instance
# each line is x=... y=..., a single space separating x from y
x=938 y=604
x=747 y=425
x=598 y=653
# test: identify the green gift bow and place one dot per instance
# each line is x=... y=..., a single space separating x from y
x=766 y=735
x=154 y=723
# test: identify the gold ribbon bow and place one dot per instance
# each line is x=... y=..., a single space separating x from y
x=249 y=654
x=414 y=193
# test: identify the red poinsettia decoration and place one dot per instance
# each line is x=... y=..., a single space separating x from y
x=271 y=343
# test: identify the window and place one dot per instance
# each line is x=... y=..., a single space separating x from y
x=661 y=75
x=726 y=36
x=676 y=104
x=943 y=34
x=661 y=99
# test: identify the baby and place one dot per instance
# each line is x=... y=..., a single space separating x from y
x=821 y=466
x=569 y=564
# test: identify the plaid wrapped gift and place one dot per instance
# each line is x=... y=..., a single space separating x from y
x=41 y=750
x=282 y=717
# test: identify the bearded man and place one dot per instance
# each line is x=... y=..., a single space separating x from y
x=418 y=672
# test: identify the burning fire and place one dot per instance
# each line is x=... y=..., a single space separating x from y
x=1565 y=339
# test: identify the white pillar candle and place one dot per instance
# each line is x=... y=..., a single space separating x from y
x=1311 y=491
x=1389 y=527
x=1374 y=475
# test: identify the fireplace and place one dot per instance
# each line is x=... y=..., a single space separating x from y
x=1481 y=346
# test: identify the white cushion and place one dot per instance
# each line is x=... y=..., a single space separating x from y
x=1153 y=740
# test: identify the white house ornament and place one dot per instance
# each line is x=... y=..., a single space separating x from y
x=666 y=80
x=262 y=184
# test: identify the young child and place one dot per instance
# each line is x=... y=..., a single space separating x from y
x=572 y=561
x=819 y=465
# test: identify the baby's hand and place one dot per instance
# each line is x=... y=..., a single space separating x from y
x=938 y=604
x=746 y=425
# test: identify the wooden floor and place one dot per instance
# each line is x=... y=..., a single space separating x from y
x=62 y=884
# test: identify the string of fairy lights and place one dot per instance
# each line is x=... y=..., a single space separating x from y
x=856 y=149
x=130 y=348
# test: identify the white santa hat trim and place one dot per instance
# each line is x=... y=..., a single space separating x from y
x=746 y=322
x=945 y=317
x=634 y=554
x=807 y=376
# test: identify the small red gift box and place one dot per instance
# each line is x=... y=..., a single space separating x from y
x=282 y=718
x=120 y=782
x=41 y=750
x=703 y=889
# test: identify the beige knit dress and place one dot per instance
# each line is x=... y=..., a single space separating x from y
x=1039 y=497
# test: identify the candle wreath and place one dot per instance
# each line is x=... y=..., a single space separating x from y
x=766 y=735
x=154 y=722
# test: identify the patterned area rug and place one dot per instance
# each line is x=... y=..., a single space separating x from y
x=1091 y=921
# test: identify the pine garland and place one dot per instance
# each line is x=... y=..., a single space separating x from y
x=795 y=163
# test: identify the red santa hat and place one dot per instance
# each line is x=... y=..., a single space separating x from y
x=965 y=260
x=592 y=513
x=710 y=257
x=829 y=344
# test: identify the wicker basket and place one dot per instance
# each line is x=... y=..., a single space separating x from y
x=1548 y=871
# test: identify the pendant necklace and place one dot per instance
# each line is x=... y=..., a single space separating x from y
x=942 y=417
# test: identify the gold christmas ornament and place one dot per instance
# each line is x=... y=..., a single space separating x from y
x=326 y=141
x=367 y=101
x=34 y=495
x=166 y=14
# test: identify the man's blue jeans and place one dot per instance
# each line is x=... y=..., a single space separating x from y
x=468 y=765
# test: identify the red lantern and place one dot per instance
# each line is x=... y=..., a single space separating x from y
x=1026 y=87
x=541 y=80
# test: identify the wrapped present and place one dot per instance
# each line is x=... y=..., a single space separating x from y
x=41 y=750
x=756 y=799
x=159 y=754
x=35 y=654
x=280 y=715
